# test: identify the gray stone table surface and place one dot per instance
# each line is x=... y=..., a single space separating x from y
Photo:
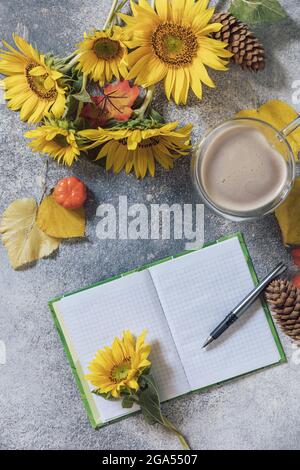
x=40 y=407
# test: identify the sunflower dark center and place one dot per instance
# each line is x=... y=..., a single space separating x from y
x=107 y=49
x=151 y=142
x=174 y=44
x=61 y=140
x=37 y=84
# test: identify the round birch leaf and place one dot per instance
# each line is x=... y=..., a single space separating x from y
x=59 y=222
x=21 y=236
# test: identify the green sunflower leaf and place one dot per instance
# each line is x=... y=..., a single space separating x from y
x=49 y=59
x=149 y=400
x=147 y=371
x=156 y=116
x=106 y=396
x=127 y=402
x=137 y=123
x=257 y=11
x=83 y=96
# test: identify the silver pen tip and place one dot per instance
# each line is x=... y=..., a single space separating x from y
x=208 y=341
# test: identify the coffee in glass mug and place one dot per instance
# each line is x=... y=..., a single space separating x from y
x=244 y=168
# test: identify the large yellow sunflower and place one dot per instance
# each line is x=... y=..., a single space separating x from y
x=172 y=43
x=139 y=149
x=118 y=368
x=56 y=139
x=31 y=86
x=103 y=55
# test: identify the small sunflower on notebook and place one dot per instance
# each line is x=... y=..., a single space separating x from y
x=123 y=372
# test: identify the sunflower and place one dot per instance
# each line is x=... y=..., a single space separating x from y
x=31 y=86
x=103 y=55
x=172 y=44
x=116 y=369
x=139 y=149
x=57 y=139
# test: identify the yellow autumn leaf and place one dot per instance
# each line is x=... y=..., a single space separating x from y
x=278 y=114
x=59 y=222
x=288 y=216
x=21 y=236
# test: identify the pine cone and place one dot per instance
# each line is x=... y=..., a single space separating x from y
x=248 y=51
x=284 y=301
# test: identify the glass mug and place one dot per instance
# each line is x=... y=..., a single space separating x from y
x=277 y=139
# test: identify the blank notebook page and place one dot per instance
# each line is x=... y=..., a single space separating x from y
x=196 y=291
x=92 y=318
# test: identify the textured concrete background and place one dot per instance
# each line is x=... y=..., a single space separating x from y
x=40 y=407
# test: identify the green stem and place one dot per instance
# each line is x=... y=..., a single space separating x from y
x=84 y=82
x=111 y=15
x=79 y=109
x=80 y=103
x=181 y=438
x=69 y=57
x=115 y=9
x=118 y=10
x=68 y=67
x=122 y=4
x=148 y=100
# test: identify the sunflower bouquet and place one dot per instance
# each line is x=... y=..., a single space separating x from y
x=123 y=372
x=100 y=97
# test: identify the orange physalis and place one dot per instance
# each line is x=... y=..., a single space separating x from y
x=296 y=280
x=115 y=102
x=296 y=256
x=70 y=193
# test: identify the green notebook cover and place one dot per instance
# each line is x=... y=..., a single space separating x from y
x=78 y=373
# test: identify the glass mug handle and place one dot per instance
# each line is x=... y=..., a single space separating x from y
x=286 y=131
x=291 y=127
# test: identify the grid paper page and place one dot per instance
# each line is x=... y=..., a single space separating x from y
x=92 y=318
x=196 y=292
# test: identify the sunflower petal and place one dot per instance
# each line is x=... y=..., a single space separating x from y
x=133 y=384
x=37 y=71
x=59 y=106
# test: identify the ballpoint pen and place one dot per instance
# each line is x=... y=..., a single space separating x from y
x=243 y=306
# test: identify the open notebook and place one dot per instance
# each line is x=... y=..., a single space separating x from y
x=179 y=301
